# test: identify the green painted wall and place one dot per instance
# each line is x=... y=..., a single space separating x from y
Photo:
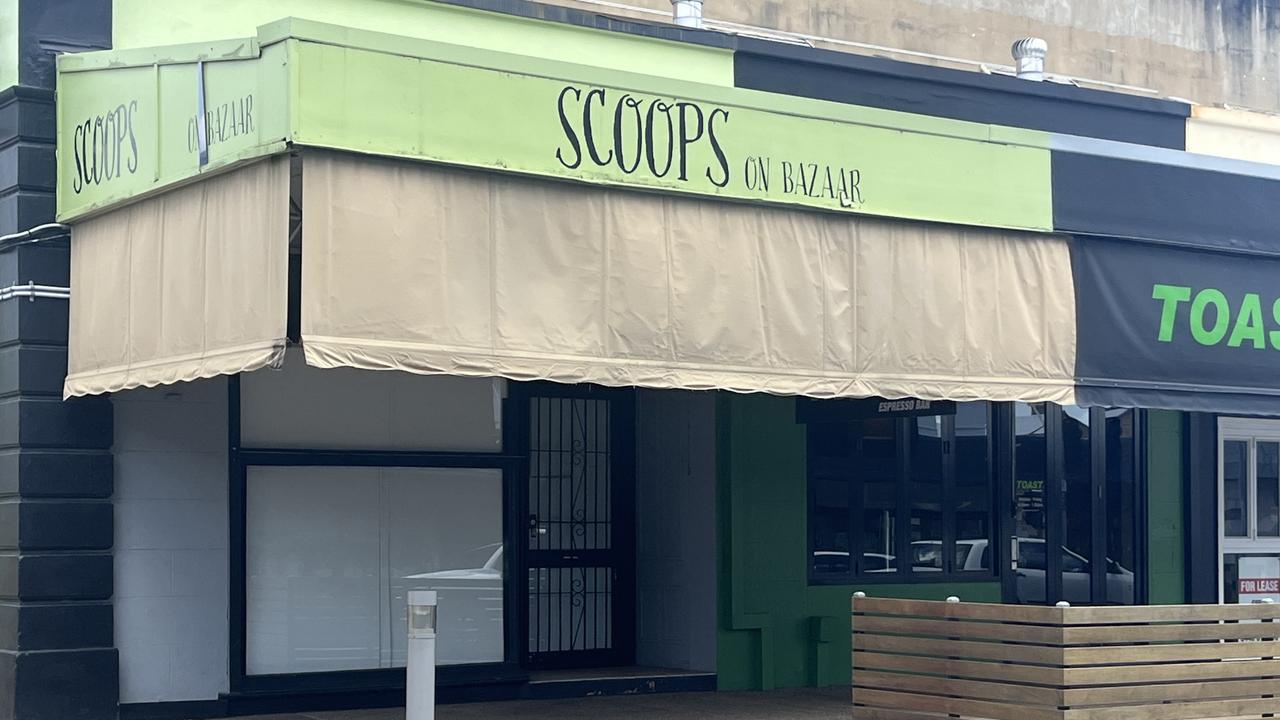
x=147 y=23
x=774 y=629
x=8 y=43
x=1166 y=545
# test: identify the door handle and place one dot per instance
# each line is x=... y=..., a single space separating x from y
x=533 y=526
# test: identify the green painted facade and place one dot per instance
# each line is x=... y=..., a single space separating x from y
x=319 y=85
x=775 y=629
x=146 y=23
x=1165 y=521
x=778 y=631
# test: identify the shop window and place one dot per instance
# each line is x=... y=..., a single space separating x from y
x=299 y=406
x=1075 y=529
x=1122 y=494
x=1249 y=491
x=901 y=497
x=331 y=553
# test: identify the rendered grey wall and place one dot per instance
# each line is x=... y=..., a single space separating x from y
x=675 y=527
x=1209 y=51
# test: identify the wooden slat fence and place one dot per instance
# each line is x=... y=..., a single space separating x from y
x=921 y=660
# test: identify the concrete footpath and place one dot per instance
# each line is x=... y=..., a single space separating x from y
x=805 y=704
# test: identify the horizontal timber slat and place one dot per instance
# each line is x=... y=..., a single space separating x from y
x=960 y=629
x=1097 y=634
x=920 y=660
x=946 y=647
x=1181 y=672
x=975 y=689
x=959 y=668
x=967 y=611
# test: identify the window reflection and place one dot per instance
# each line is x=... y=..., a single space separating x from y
x=972 y=495
x=1268 y=492
x=1235 y=467
x=931 y=473
x=1122 y=511
x=830 y=449
x=1077 y=489
x=1030 y=472
x=875 y=471
x=332 y=553
x=926 y=492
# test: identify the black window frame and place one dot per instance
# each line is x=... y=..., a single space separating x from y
x=1055 y=508
x=452 y=680
x=1001 y=441
x=906 y=574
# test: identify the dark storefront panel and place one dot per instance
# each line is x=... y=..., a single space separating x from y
x=926 y=498
x=899 y=495
x=1174 y=328
x=958 y=94
x=1206 y=202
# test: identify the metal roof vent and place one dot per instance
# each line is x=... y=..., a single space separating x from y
x=1029 y=54
x=687 y=13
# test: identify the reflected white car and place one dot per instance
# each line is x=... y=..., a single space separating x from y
x=469 y=612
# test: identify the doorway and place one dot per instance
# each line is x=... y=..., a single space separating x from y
x=577 y=548
x=1249 y=502
x=1076 y=526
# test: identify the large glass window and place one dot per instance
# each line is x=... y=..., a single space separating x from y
x=1030 y=480
x=1076 y=505
x=1122 y=494
x=913 y=497
x=331 y=553
x=1077 y=492
x=901 y=496
x=1235 y=487
x=1249 y=483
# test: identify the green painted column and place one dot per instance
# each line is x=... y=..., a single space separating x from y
x=1165 y=521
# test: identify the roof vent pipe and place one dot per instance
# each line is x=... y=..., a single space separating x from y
x=1029 y=54
x=687 y=13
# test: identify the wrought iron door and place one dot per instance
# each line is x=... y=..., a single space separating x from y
x=579 y=533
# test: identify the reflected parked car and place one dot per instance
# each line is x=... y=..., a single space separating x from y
x=837 y=561
x=470 y=609
x=1076 y=575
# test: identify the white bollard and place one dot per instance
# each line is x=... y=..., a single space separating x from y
x=420 y=670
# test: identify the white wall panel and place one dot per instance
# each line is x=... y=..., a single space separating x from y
x=171 y=542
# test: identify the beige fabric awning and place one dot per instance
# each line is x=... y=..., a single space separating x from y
x=189 y=284
x=435 y=270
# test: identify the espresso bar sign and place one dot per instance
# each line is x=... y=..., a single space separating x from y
x=810 y=410
x=680 y=141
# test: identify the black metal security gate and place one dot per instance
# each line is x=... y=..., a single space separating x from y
x=578 y=549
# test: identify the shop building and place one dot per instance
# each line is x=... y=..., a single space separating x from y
x=644 y=346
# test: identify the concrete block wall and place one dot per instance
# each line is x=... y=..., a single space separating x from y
x=171 y=540
x=1208 y=51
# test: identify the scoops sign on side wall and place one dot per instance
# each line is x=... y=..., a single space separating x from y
x=125 y=131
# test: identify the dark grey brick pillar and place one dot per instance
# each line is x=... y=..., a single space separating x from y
x=57 y=655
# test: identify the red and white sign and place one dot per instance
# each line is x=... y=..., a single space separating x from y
x=1259 y=579
x=1259 y=586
